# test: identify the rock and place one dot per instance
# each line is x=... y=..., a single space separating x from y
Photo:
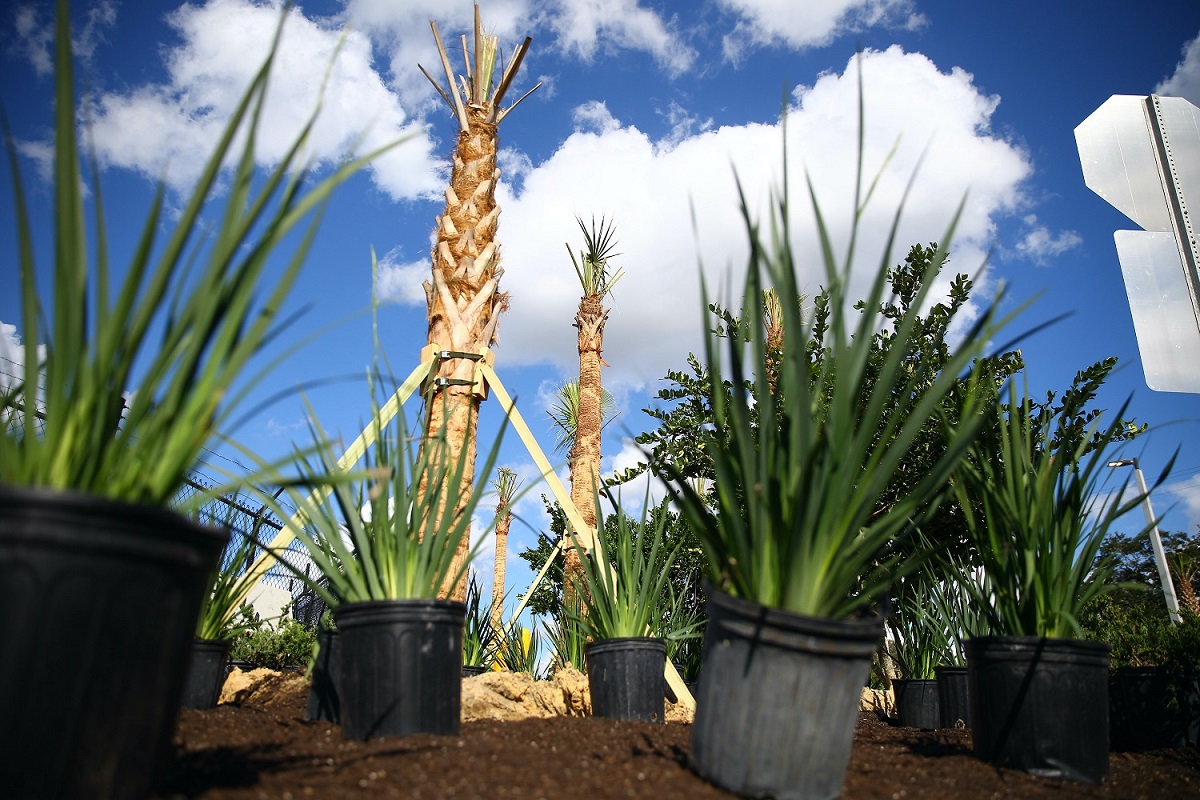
x=516 y=695
x=881 y=700
x=259 y=687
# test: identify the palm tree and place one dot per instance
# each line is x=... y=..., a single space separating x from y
x=564 y=414
x=597 y=280
x=463 y=297
x=505 y=483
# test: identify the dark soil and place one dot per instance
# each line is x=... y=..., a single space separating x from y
x=266 y=749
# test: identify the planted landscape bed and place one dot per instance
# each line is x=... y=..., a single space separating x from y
x=266 y=749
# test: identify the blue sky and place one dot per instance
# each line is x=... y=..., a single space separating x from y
x=645 y=112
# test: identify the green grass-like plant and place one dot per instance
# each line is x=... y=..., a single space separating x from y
x=520 y=649
x=376 y=533
x=479 y=637
x=797 y=520
x=224 y=612
x=621 y=590
x=1031 y=497
x=568 y=640
x=134 y=384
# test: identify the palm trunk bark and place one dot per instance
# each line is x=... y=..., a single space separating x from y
x=501 y=563
x=463 y=299
x=463 y=305
x=585 y=454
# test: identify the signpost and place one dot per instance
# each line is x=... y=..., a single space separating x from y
x=1142 y=155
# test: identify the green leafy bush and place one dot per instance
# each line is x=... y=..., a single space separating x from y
x=291 y=644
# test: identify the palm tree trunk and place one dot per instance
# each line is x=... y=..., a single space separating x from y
x=585 y=454
x=505 y=485
x=463 y=299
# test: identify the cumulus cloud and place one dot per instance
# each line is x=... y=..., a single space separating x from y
x=1187 y=492
x=1041 y=245
x=585 y=27
x=12 y=363
x=34 y=27
x=1185 y=81
x=674 y=204
x=581 y=29
x=400 y=281
x=168 y=128
x=809 y=24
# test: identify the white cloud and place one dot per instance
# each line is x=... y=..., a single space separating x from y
x=579 y=28
x=12 y=363
x=1187 y=492
x=401 y=281
x=809 y=24
x=35 y=33
x=584 y=27
x=650 y=188
x=35 y=38
x=173 y=126
x=1185 y=81
x=1041 y=245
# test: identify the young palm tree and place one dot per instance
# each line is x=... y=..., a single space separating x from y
x=463 y=297
x=505 y=483
x=564 y=414
x=597 y=280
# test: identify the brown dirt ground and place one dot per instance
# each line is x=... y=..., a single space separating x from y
x=266 y=749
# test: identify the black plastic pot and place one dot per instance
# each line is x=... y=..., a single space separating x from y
x=103 y=598
x=206 y=672
x=778 y=698
x=1150 y=708
x=323 y=701
x=1041 y=705
x=917 y=703
x=954 y=697
x=626 y=678
x=471 y=670
x=401 y=667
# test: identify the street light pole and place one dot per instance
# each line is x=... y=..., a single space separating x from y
x=1160 y=557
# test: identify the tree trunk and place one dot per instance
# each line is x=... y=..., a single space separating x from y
x=585 y=454
x=464 y=304
x=505 y=519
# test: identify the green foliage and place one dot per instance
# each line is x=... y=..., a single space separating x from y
x=291 y=644
x=1136 y=632
x=137 y=383
x=680 y=623
x=519 y=649
x=479 y=637
x=622 y=590
x=569 y=642
x=1031 y=500
x=683 y=575
x=592 y=268
x=378 y=533
x=932 y=616
x=800 y=516
x=224 y=612
x=564 y=414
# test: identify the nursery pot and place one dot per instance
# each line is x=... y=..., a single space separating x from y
x=103 y=598
x=471 y=670
x=323 y=703
x=400 y=667
x=917 y=703
x=1041 y=705
x=206 y=672
x=626 y=678
x=954 y=697
x=778 y=698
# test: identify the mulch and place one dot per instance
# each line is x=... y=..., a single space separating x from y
x=266 y=749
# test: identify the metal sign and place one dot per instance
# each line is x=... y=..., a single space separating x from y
x=1142 y=155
